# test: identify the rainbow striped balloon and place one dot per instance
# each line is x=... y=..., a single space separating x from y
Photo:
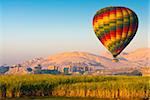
x=115 y=27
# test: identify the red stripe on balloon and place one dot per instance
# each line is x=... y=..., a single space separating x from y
x=107 y=36
x=102 y=40
x=118 y=51
x=113 y=11
x=119 y=31
x=125 y=29
x=112 y=33
x=96 y=18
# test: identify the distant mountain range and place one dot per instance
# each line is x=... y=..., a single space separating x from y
x=137 y=58
x=127 y=61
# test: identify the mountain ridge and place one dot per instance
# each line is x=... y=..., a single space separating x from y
x=77 y=56
x=127 y=61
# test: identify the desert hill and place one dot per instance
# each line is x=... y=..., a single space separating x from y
x=137 y=58
x=127 y=61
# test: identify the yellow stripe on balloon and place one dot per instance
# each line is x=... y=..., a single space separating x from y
x=108 y=43
x=112 y=24
x=130 y=33
x=106 y=27
x=119 y=14
x=124 y=35
x=129 y=11
x=126 y=20
x=113 y=39
x=106 y=19
x=112 y=17
x=97 y=24
x=119 y=22
x=125 y=13
x=118 y=37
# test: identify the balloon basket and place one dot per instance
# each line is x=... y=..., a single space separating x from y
x=115 y=60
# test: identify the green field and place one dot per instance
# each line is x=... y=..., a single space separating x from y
x=74 y=86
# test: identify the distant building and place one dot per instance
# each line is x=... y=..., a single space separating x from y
x=77 y=69
x=49 y=72
x=86 y=69
x=37 y=69
x=66 y=71
x=52 y=68
x=29 y=70
x=4 y=69
x=89 y=68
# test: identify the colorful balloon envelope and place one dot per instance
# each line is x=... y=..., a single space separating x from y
x=115 y=27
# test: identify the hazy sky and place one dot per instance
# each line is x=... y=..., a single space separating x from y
x=38 y=28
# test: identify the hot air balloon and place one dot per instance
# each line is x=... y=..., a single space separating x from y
x=115 y=27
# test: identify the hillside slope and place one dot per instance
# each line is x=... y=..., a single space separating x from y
x=136 y=59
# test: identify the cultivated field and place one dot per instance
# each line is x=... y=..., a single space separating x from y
x=75 y=86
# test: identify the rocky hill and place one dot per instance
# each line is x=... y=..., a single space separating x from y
x=127 y=61
x=137 y=58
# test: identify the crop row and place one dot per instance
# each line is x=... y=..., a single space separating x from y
x=75 y=86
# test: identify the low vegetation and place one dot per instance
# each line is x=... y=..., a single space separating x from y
x=74 y=86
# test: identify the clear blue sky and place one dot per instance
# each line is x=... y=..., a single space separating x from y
x=38 y=28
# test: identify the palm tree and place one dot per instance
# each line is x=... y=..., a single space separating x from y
x=19 y=65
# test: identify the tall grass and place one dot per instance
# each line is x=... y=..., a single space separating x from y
x=75 y=86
